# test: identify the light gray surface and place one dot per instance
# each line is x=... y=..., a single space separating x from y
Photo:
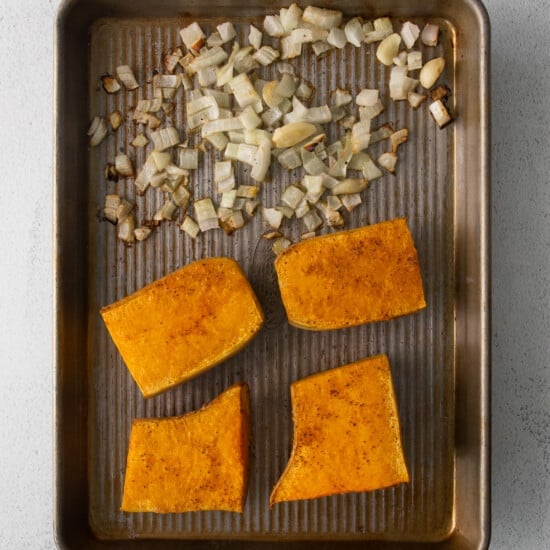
x=521 y=274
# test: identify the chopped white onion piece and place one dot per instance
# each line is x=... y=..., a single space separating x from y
x=139 y=141
x=272 y=217
x=214 y=40
x=208 y=58
x=201 y=110
x=354 y=32
x=223 y=169
x=280 y=244
x=388 y=161
x=304 y=90
x=186 y=82
x=218 y=141
x=188 y=158
x=286 y=211
x=430 y=35
x=246 y=153
x=166 y=81
x=234 y=221
x=409 y=33
x=414 y=61
x=110 y=209
x=126 y=230
x=257 y=136
x=360 y=136
x=292 y=196
x=340 y=97
x=337 y=38
x=165 y=138
x=320 y=47
x=223 y=99
x=308 y=235
x=376 y=36
x=314 y=187
x=329 y=182
x=224 y=214
x=290 y=159
x=382 y=29
x=351 y=201
x=268 y=235
x=142 y=233
x=415 y=100
x=236 y=136
x=161 y=159
x=226 y=31
x=333 y=217
x=123 y=166
x=368 y=113
x=110 y=84
x=228 y=199
x=255 y=37
x=399 y=137
x=244 y=60
x=305 y=35
x=247 y=191
x=273 y=26
x=302 y=209
x=290 y=17
x=193 y=37
x=286 y=86
x=261 y=160
x=205 y=213
x=266 y=55
x=126 y=76
x=143 y=178
x=312 y=221
x=388 y=48
x=367 y=97
x=115 y=118
x=250 y=206
x=207 y=76
x=190 y=226
x=221 y=125
x=318 y=115
x=350 y=185
x=320 y=17
x=400 y=83
x=334 y=202
x=290 y=48
x=440 y=113
x=313 y=165
x=231 y=151
x=181 y=197
x=240 y=203
x=358 y=160
x=97 y=131
x=400 y=59
x=123 y=210
x=383 y=24
x=243 y=90
x=227 y=184
x=272 y=117
x=165 y=212
x=431 y=71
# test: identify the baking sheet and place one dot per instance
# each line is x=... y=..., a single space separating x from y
x=438 y=356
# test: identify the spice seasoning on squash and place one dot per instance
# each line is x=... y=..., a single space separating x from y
x=346 y=433
x=185 y=323
x=198 y=461
x=351 y=277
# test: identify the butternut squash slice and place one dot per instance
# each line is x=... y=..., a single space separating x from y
x=351 y=277
x=346 y=433
x=198 y=461
x=185 y=323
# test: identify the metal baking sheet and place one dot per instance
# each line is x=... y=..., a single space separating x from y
x=439 y=357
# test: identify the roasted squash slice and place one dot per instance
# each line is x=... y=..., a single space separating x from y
x=346 y=433
x=351 y=277
x=198 y=461
x=185 y=323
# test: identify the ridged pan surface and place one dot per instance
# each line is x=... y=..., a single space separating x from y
x=421 y=347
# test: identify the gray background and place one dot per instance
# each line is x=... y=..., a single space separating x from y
x=521 y=273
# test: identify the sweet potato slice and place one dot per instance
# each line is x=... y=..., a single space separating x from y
x=185 y=323
x=346 y=433
x=198 y=461
x=351 y=277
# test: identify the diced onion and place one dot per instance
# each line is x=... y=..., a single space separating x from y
x=280 y=244
x=228 y=199
x=414 y=61
x=126 y=230
x=110 y=84
x=312 y=221
x=337 y=38
x=272 y=217
x=243 y=90
x=440 y=113
x=349 y=185
x=255 y=37
x=193 y=37
x=266 y=55
x=181 y=197
x=165 y=138
x=340 y=97
x=430 y=35
x=190 y=226
x=226 y=31
x=409 y=33
x=126 y=76
x=110 y=208
x=247 y=191
x=367 y=97
x=218 y=141
x=290 y=17
x=354 y=32
x=351 y=201
x=166 y=211
x=97 y=131
x=399 y=137
x=320 y=47
x=115 y=119
x=188 y=158
x=388 y=161
x=123 y=166
x=415 y=100
x=290 y=48
x=292 y=196
x=206 y=215
x=320 y=17
x=142 y=233
x=273 y=26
